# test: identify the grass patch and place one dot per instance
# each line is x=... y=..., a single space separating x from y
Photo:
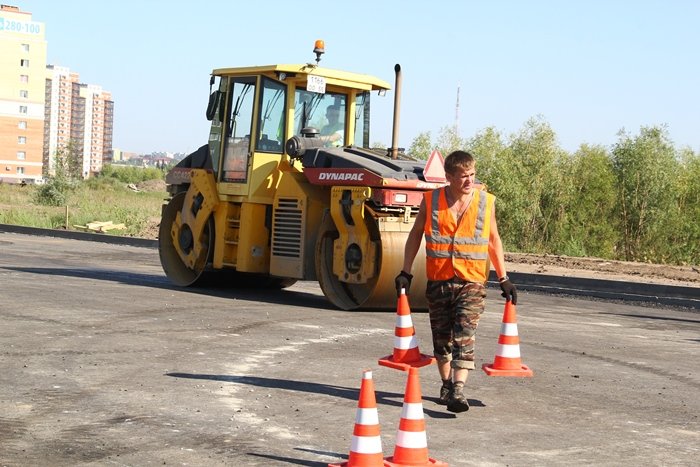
x=94 y=200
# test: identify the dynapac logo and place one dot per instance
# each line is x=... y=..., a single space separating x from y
x=335 y=176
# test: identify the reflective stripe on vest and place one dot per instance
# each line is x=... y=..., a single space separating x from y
x=457 y=247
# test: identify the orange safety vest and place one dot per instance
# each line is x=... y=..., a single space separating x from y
x=457 y=249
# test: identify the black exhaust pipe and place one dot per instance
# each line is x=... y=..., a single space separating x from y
x=397 y=109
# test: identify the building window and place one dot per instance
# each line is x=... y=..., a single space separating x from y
x=24 y=78
x=23 y=109
x=21 y=155
x=20 y=170
x=22 y=125
x=24 y=93
x=21 y=140
x=24 y=63
x=25 y=47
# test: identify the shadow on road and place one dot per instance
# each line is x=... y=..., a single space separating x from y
x=219 y=290
x=660 y=318
x=383 y=398
x=291 y=460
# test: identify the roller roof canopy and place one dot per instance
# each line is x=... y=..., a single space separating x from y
x=341 y=78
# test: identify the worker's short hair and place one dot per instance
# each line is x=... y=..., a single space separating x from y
x=459 y=160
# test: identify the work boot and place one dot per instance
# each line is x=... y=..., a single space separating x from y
x=445 y=391
x=458 y=402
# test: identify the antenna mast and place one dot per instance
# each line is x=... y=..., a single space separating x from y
x=457 y=111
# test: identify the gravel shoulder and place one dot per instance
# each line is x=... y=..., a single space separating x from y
x=596 y=268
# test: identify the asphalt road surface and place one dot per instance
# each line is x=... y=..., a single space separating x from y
x=103 y=362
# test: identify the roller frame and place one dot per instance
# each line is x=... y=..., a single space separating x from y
x=352 y=234
x=202 y=182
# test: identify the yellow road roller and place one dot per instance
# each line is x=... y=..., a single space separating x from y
x=287 y=189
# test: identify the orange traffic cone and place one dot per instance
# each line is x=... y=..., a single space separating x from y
x=366 y=445
x=507 y=361
x=411 y=441
x=406 y=352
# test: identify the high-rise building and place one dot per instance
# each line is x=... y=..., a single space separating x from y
x=80 y=115
x=58 y=109
x=45 y=109
x=22 y=87
x=96 y=121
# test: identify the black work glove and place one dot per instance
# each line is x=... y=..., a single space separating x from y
x=403 y=281
x=509 y=291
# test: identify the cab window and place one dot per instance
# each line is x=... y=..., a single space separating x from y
x=272 y=117
x=238 y=128
x=324 y=112
x=362 y=120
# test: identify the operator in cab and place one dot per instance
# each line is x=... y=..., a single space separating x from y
x=333 y=133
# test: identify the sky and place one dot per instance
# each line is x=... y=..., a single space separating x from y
x=588 y=68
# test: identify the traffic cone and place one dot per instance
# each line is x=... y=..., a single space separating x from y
x=507 y=361
x=406 y=352
x=411 y=441
x=366 y=445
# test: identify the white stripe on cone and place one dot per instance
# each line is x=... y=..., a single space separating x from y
x=412 y=411
x=509 y=329
x=403 y=343
x=404 y=321
x=366 y=444
x=411 y=439
x=367 y=417
x=508 y=350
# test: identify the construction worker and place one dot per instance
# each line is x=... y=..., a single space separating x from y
x=459 y=225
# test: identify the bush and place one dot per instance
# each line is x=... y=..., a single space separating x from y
x=131 y=174
x=53 y=193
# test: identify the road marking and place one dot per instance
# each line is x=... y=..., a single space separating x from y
x=248 y=365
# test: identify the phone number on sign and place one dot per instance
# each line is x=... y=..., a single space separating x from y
x=19 y=26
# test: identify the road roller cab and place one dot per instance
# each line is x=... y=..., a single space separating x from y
x=287 y=188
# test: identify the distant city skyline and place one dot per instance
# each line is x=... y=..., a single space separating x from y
x=589 y=69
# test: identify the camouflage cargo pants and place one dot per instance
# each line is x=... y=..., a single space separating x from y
x=455 y=307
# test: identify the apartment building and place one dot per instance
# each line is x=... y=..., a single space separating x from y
x=79 y=113
x=58 y=113
x=22 y=86
x=44 y=108
x=94 y=123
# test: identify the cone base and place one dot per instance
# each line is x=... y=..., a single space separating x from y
x=384 y=463
x=389 y=461
x=523 y=371
x=389 y=361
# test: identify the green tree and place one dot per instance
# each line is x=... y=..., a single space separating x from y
x=449 y=140
x=487 y=146
x=131 y=174
x=639 y=200
x=644 y=166
x=69 y=162
x=421 y=146
x=67 y=172
x=683 y=230
x=590 y=228
x=527 y=178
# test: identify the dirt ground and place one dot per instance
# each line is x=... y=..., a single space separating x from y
x=596 y=268
x=152 y=185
